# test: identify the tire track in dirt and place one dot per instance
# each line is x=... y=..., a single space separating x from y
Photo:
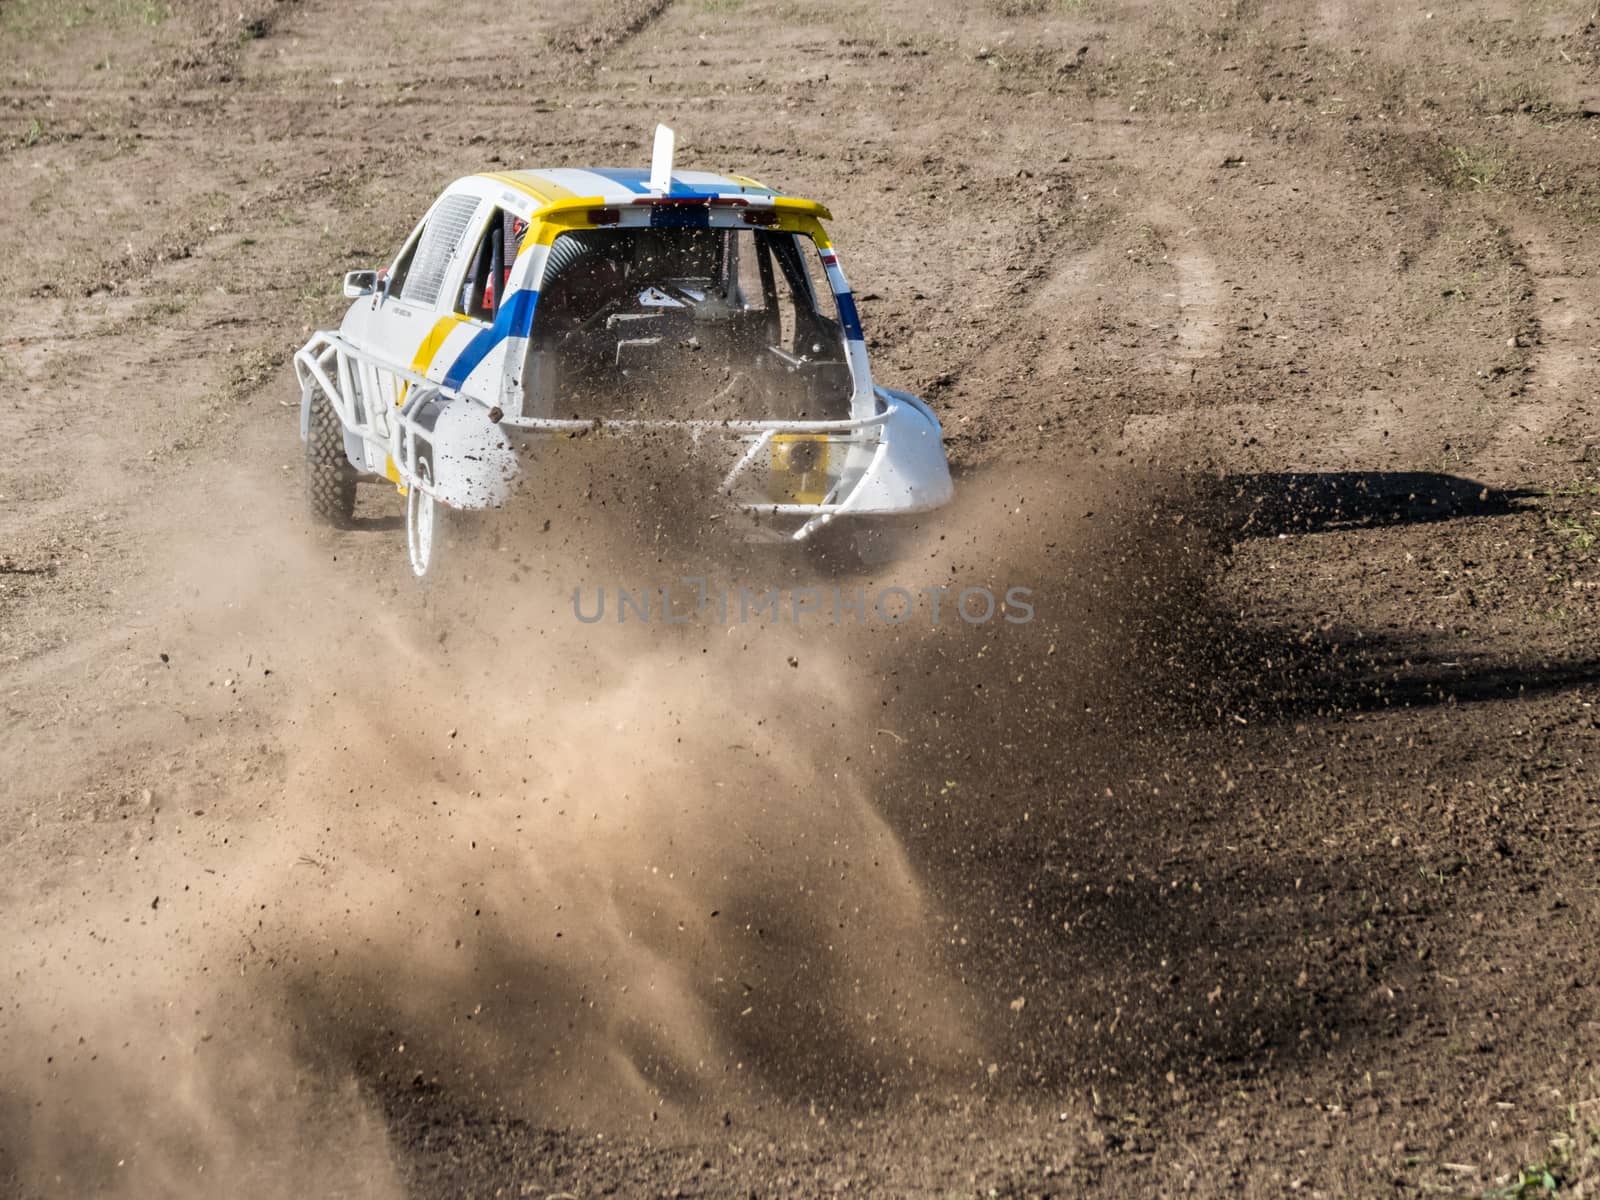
x=361 y=48
x=1559 y=401
x=131 y=365
x=1186 y=317
x=1199 y=296
x=1139 y=307
x=1196 y=334
x=166 y=310
x=609 y=28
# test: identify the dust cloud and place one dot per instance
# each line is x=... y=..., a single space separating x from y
x=590 y=873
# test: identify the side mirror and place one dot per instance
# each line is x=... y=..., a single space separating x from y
x=360 y=283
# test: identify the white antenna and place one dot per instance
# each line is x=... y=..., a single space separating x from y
x=661 y=160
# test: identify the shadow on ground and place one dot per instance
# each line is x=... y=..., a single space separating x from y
x=1287 y=502
x=1105 y=802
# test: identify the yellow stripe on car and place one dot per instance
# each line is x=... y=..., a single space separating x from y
x=442 y=328
x=420 y=362
x=532 y=184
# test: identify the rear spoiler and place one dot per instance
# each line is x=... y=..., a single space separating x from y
x=789 y=204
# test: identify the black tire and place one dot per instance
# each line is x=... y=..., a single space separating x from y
x=330 y=481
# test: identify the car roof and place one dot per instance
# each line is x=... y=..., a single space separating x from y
x=621 y=185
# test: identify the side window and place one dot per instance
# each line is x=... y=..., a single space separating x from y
x=436 y=248
x=402 y=264
x=821 y=289
x=789 y=301
x=751 y=271
x=489 y=271
x=810 y=312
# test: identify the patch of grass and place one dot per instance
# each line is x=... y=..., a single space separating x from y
x=117 y=12
x=721 y=6
x=1531 y=1181
x=1529 y=97
x=1572 y=487
x=1576 y=533
x=1507 y=169
x=1034 y=8
x=1452 y=459
x=1473 y=167
x=1570 y=1165
x=1520 y=96
x=26 y=19
x=250 y=370
x=167 y=306
x=252 y=31
x=317 y=291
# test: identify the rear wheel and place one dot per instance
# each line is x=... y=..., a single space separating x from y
x=330 y=481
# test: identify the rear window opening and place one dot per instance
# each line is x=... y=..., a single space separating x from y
x=713 y=324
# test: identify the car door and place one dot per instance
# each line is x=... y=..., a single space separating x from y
x=492 y=310
x=417 y=312
x=409 y=319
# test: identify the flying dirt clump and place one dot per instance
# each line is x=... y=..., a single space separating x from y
x=1110 y=626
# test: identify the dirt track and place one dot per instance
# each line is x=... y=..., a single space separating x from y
x=1265 y=861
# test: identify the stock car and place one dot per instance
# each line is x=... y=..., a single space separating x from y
x=532 y=304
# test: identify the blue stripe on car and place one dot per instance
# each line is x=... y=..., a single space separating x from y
x=515 y=319
x=637 y=179
x=848 y=317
